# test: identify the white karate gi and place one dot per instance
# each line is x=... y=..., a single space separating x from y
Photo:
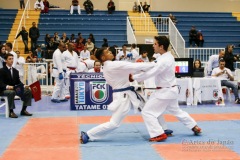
x=135 y=55
x=33 y=74
x=116 y=74
x=58 y=67
x=120 y=54
x=75 y=7
x=92 y=70
x=89 y=63
x=20 y=67
x=85 y=55
x=164 y=98
x=14 y=58
x=71 y=61
x=39 y=5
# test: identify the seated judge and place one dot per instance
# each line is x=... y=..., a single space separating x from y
x=9 y=77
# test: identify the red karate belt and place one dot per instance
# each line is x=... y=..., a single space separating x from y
x=36 y=90
x=71 y=68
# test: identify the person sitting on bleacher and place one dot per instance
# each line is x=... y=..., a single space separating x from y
x=88 y=5
x=39 y=5
x=135 y=7
x=75 y=5
x=9 y=78
x=225 y=75
x=46 y=6
x=111 y=7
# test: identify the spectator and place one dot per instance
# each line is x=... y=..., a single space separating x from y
x=64 y=38
x=39 y=5
x=75 y=5
x=193 y=36
x=9 y=50
x=72 y=39
x=2 y=56
x=90 y=45
x=229 y=57
x=47 y=39
x=22 y=4
x=146 y=7
x=135 y=7
x=24 y=35
x=88 y=5
x=79 y=46
x=80 y=37
x=40 y=53
x=214 y=61
x=85 y=54
x=92 y=38
x=225 y=75
x=46 y=6
x=200 y=39
x=143 y=57
x=19 y=66
x=134 y=52
x=173 y=18
x=34 y=35
x=159 y=20
x=7 y=84
x=56 y=39
x=140 y=7
x=105 y=42
x=97 y=67
x=111 y=7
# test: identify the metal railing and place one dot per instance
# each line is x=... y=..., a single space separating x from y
x=176 y=40
x=130 y=34
x=23 y=20
x=202 y=53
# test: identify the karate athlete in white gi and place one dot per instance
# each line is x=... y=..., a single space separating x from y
x=19 y=65
x=72 y=63
x=116 y=74
x=165 y=97
x=59 y=71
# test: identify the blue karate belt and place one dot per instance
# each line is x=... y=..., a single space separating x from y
x=131 y=88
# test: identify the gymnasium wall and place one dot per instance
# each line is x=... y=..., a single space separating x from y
x=156 y=5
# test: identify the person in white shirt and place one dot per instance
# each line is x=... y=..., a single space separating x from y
x=166 y=95
x=72 y=63
x=225 y=75
x=85 y=54
x=75 y=5
x=90 y=45
x=134 y=52
x=97 y=67
x=59 y=70
x=116 y=74
x=8 y=47
x=144 y=57
x=124 y=55
x=39 y=5
x=156 y=55
x=19 y=66
x=214 y=61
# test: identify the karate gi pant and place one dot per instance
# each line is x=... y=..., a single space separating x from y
x=59 y=89
x=155 y=107
x=123 y=106
x=75 y=7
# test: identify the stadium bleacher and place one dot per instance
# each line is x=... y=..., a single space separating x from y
x=7 y=17
x=219 y=29
x=100 y=24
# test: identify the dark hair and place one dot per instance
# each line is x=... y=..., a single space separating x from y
x=162 y=40
x=9 y=44
x=1 y=46
x=144 y=52
x=96 y=62
x=221 y=60
x=199 y=63
x=8 y=55
x=133 y=45
x=124 y=45
x=99 y=53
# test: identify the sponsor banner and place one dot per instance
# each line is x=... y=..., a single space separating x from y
x=89 y=91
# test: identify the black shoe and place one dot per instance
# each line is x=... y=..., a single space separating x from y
x=13 y=115
x=25 y=113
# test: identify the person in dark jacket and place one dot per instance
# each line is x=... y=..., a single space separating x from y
x=111 y=7
x=88 y=5
x=34 y=35
x=193 y=36
x=105 y=42
x=229 y=57
x=9 y=78
x=24 y=35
